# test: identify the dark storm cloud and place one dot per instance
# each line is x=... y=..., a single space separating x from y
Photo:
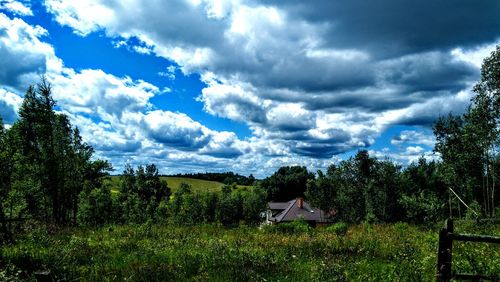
x=428 y=72
x=391 y=28
x=320 y=151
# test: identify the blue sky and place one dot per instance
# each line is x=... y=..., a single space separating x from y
x=248 y=86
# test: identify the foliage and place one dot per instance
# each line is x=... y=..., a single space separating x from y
x=141 y=192
x=400 y=252
x=95 y=206
x=223 y=177
x=296 y=226
x=287 y=183
x=469 y=143
x=44 y=164
x=339 y=228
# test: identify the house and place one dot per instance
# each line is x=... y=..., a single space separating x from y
x=294 y=209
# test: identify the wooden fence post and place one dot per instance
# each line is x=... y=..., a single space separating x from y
x=445 y=252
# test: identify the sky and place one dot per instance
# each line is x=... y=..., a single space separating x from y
x=248 y=86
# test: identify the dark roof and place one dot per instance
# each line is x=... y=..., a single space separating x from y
x=278 y=205
x=293 y=211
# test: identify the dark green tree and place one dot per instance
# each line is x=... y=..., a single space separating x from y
x=469 y=143
x=287 y=183
x=49 y=160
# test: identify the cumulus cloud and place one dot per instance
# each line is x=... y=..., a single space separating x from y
x=114 y=114
x=9 y=106
x=284 y=68
x=91 y=91
x=24 y=55
x=413 y=137
x=20 y=8
x=310 y=81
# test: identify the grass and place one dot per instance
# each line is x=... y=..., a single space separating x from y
x=198 y=185
x=148 y=252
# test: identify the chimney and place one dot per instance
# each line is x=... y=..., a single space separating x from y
x=300 y=202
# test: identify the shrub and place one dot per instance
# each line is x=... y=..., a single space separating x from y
x=94 y=206
x=338 y=228
x=296 y=226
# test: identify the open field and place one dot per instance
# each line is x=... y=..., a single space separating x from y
x=396 y=252
x=198 y=185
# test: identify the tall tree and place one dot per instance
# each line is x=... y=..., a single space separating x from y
x=287 y=183
x=469 y=143
x=51 y=163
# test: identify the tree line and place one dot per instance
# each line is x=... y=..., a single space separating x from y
x=223 y=177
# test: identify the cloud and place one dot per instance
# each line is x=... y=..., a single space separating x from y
x=114 y=114
x=96 y=91
x=23 y=56
x=413 y=137
x=310 y=81
x=284 y=68
x=19 y=8
x=9 y=106
x=406 y=155
x=391 y=28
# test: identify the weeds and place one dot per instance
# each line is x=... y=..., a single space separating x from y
x=152 y=252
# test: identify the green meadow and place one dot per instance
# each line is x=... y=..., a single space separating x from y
x=197 y=185
x=164 y=252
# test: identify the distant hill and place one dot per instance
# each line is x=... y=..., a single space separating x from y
x=222 y=177
x=198 y=185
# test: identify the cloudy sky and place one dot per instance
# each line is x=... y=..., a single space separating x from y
x=248 y=86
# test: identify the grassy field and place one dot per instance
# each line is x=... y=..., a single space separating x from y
x=397 y=252
x=174 y=183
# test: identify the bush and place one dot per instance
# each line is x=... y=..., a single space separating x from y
x=338 y=228
x=94 y=206
x=296 y=226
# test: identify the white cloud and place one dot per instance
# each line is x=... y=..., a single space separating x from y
x=300 y=78
x=94 y=91
x=9 y=106
x=408 y=155
x=16 y=7
x=84 y=16
x=413 y=137
x=114 y=114
x=283 y=74
x=474 y=56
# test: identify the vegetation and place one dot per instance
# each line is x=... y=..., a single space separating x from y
x=147 y=252
x=147 y=230
x=223 y=177
x=174 y=183
x=44 y=163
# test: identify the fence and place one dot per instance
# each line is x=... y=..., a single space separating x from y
x=445 y=251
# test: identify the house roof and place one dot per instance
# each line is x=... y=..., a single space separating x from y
x=278 y=205
x=293 y=211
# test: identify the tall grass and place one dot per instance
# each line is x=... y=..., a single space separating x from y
x=149 y=252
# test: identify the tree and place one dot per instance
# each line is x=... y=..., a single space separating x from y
x=254 y=203
x=48 y=161
x=424 y=192
x=141 y=192
x=4 y=177
x=469 y=143
x=287 y=183
x=322 y=192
